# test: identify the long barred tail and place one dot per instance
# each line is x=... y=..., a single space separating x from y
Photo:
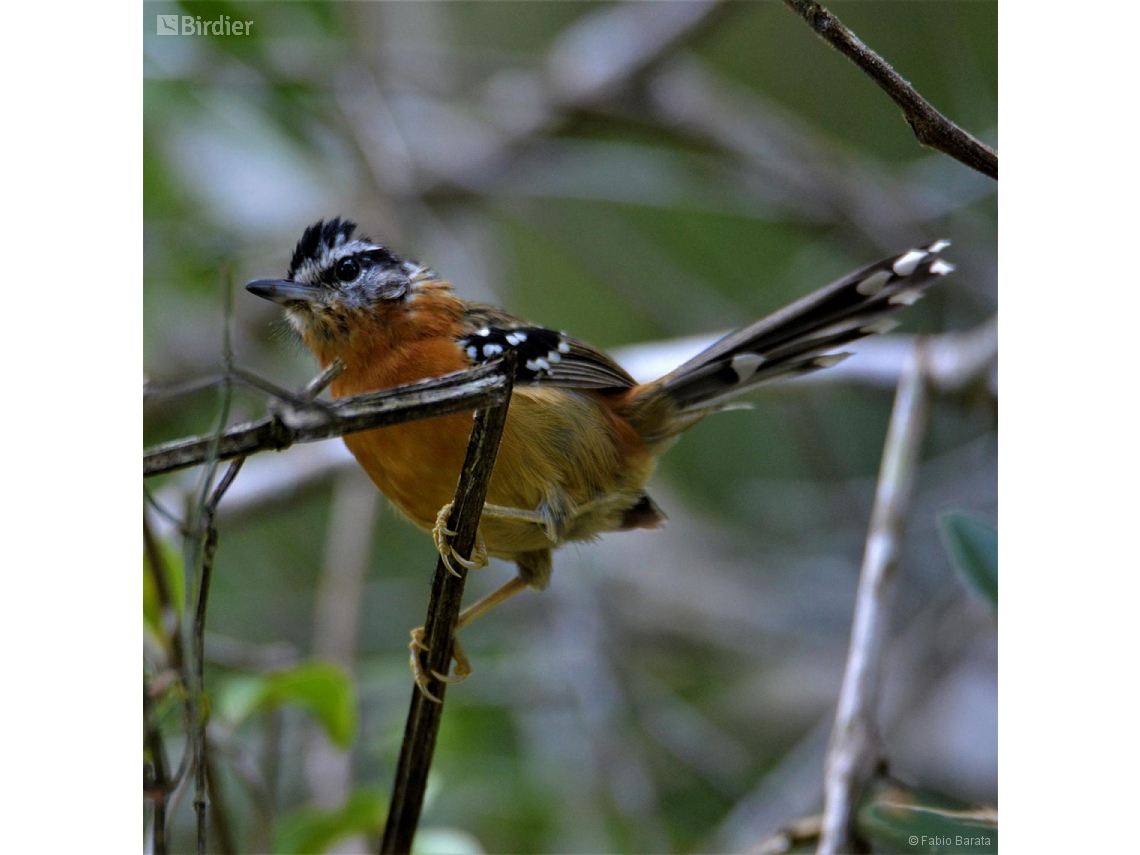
x=800 y=338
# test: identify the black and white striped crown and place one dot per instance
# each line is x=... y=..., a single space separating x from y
x=319 y=240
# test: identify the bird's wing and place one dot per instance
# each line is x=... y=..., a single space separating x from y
x=545 y=356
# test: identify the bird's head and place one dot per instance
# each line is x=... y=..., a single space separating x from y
x=333 y=277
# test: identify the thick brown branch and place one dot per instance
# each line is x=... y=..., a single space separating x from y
x=480 y=387
x=930 y=126
x=424 y=715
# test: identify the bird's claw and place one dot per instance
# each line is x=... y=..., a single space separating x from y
x=442 y=535
x=415 y=647
x=462 y=664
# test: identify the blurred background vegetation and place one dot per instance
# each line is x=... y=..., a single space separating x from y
x=630 y=173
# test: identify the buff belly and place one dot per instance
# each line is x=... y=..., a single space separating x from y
x=552 y=456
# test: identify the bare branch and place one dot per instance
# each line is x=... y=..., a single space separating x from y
x=323 y=380
x=854 y=751
x=198 y=691
x=181 y=388
x=424 y=715
x=455 y=393
x=930 y=127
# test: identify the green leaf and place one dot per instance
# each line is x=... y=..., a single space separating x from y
x=323 y=689
x=972 y=544
x=174 y=578
x=916 y=822
x=307 y=830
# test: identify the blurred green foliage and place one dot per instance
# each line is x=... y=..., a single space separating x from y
x=310 y=830
x=322 y=689
x=972 y=545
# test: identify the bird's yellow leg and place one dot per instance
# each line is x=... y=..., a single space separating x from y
x=551 y=516
x=501 y=512
x=550 y=523
x=462 y=663
x=495 y=598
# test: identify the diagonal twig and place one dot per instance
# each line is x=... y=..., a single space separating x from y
x=930 y=127
x=424 y=715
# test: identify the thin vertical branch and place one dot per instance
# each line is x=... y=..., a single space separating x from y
x=424 y=715
x=854 y=752
x=204 y=543
x=209 y=548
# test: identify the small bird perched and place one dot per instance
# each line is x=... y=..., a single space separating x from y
x=582 y=437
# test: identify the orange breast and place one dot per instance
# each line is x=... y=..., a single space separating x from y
x=416 y=464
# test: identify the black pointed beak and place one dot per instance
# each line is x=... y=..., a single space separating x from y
x=282 y=291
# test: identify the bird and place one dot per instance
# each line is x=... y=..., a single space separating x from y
x=582 y=437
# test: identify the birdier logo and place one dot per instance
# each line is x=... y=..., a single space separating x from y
x=193 y=25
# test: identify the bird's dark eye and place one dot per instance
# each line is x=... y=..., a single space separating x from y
x=347 y=269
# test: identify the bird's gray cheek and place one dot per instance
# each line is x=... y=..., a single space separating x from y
x=391 y=288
